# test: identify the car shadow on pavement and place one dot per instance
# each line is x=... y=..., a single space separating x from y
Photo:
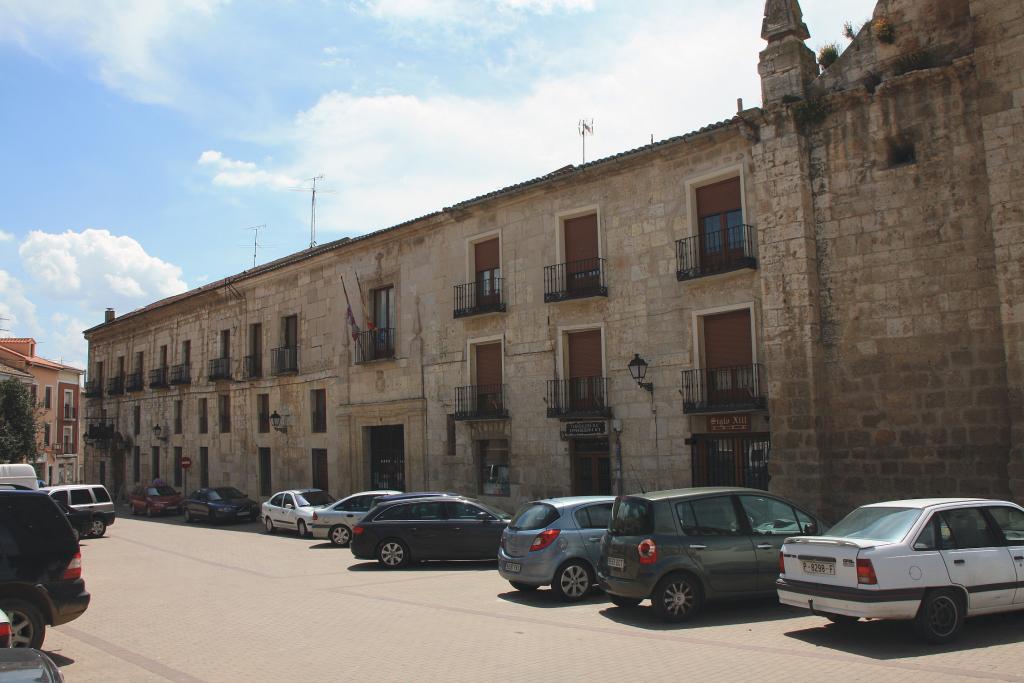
x=326 y=545
x=546 y=598
x=889 y=639
x=59 y=660
x=432 y=566
x=727 y=613
x=177 y=520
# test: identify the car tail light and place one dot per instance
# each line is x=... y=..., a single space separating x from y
x=357 y=530
x=544 y=539
x=782 y=563
x=74 y=569
x=5 y=634
x=315 y=516
x=648 y=551
x=866 y=573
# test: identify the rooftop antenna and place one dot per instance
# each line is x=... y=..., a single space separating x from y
x=312 y=206
x=586 y=128
x=3 y=319
x=255 y=240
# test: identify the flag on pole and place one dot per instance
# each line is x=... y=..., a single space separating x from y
x=348 y=313
x=366 y=310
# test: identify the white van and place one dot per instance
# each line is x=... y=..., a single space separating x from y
x=19 y=473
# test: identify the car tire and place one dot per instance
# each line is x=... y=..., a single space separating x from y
x=573 y=581
x=340 y=535
x=269 y=525
x=393 y=554
x=843 y=620
x=28 y=628
x=940 y=618
x=524 y=587
x=301 y=528
x=623 y=601
x=98 y=528
x=677 y=598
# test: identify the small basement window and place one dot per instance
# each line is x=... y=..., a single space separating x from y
x=901 y=152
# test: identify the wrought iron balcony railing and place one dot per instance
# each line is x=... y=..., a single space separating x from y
x=716 y=252
x=158 y=378
x=376 y=344
x=474 y=298
x=181 y=374
x=284 y=359
x=92 y=388
x=713 y=390
x=253 y=367
x=480 y=402
x=99 y=429
x=69 y=412
x=220 y=368
x=578 y=397
x=133 y=382
x=115 y=386
x=574 y=280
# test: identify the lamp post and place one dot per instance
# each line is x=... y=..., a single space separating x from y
x=638 y=370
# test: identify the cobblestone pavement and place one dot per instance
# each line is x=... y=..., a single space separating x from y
x=173 y=602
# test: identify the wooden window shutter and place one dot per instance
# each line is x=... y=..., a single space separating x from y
x=585 y=354
x=719 y=198
x=581 y=238
x=488 y=364
x=486 y=256
x=727 y=339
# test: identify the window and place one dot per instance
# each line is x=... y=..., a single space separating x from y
x=186 y=352
x=204 y=466
x=204 y=423
x=288 y=500
x=67 y=446
x=318 y=410
x=935 y=535
x=263 y=413
x=265 y=482
x=224 y=412
x=877 y=523
x=970 y=528
x=356 y=504
x=154 y=465
x=278 y=500
x=451 y=433
x=425 y=511
x=177 y=417
x=384 y=308
x=320 y=468
x=225 y=343
x=464 y=511
x=713 y=517
x=46 y=434
x=136 y=465
x=100 y=494
x=81 y=497
x=631 y=516
x=1010 y=521
x=290 y=331
x=177 y=466
x=138 y=361
x=47 y=397
x=594 y=516
x=494 y=467
x=61 y=497
x=69 y=404
x=136 y=419
x=770 y=517
x=163 y=356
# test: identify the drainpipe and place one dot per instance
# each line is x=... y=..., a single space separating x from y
x=617 y=428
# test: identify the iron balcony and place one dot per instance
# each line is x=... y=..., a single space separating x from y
x=578 y=397
x=181 y=374
x=220 y=368
x=574 y=280
x=92 y=389
x=475 y=298
x=720 y=251
x=715 y=390
x=133 y=382
x=284 y=359
x=158 y=378
x=480 y=402
x=115 y=386
x=376 y=344
x=253 y=367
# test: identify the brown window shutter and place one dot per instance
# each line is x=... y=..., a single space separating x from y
x=488 y=364
x=719 y=198
x=486 y=255
x=581 y=238
x=727 y=339
x=585 y=354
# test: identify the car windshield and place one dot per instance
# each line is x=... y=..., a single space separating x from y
x=876 y=524
x=534 y=516
x=631 y=517
x=313 y=498
x=161 y=491
x=228 y=492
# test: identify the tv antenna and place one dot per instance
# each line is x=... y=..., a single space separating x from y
x=312 y=205
x=3 y=319
x=586 y=128
x=255 y=240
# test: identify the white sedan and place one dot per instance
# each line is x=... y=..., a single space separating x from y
x=935 y=561
x=293 y=509
x=335 y=522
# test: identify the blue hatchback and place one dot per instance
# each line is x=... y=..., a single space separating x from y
x=555 y=542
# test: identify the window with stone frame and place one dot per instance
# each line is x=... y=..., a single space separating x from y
x=177 y=417
x=318 y=410
x=136 y=420
x=263 y=413
x=224 y=413
x=204 y=420
x=492 y=454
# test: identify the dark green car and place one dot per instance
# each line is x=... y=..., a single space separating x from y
x=683 y=547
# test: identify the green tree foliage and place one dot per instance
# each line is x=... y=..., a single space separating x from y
x=18 y=424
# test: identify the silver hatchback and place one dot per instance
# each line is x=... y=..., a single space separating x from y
x=555 y=542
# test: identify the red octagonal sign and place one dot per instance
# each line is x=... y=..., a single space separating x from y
x=186 y=462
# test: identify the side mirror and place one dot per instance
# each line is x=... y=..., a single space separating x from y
x=483 y=516
x=289 y=506
x=811 y=529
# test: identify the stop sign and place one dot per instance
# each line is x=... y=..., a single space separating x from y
x=186 y=462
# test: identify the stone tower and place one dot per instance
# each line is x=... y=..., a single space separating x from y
x=787 y=65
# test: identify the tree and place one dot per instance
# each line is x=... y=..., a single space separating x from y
x=18 y=424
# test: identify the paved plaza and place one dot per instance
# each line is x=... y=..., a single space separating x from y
x=173 y=602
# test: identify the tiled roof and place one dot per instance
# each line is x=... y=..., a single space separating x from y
x=563 y=172
x=8 y=370
x=37 y=360
x=16 y=340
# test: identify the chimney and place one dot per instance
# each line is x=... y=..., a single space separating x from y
x=108 y=315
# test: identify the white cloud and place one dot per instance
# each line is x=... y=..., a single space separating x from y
x=5 y=236
x=233 y=173
x=98 y=269
x=63 y=340
x=467 y=11
x=18 y=312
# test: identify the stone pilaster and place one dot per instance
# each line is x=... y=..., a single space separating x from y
x=787 y=66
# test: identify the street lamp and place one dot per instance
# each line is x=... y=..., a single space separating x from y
x=158 y=432
x=275 y=422
x=638 y=369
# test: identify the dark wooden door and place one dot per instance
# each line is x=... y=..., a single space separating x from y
x=586 y=385
x=266 y=485
x=728 y=357
x=488 y=377
x=720 y=224
x=583 y=270
x=320 y=468
x=487 y=269
x=387 y=457
x=591 y=467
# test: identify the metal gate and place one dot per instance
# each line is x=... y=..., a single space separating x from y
x=387 y=457
x=731 y=460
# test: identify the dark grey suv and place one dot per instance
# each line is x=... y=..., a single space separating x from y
x=683 y=547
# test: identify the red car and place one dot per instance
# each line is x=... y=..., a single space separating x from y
x=155 y=500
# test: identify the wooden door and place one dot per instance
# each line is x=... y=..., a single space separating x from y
x=583 y=270
x=720 y=224
x=728 y=358
x=591 y=467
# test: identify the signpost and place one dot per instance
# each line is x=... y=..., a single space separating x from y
x=728 y=423
x=584 y=429
x=186 y=462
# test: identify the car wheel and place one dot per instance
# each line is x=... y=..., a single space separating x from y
x=27 y=625
x=340 y=535
x=842 y=619
x=301 y=528
x=623 y=601
x=524 y=587
x=677 y=597
x=393 y=554
x=269 y=524
x=940 y=617
x=98 y=528
x=573 y=581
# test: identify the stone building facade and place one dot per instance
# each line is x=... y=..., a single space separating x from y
x=833 y=279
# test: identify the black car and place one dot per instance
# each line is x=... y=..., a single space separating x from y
x=220 y=504
x=434 y=528
x=40 y=566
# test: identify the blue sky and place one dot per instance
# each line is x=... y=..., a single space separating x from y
x=141 y=138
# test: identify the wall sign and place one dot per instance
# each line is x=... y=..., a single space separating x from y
x=728 y=423
x=573 y=429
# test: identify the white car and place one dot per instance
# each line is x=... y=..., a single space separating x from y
x=293 y=509
x=335 y=522
x=935 y=561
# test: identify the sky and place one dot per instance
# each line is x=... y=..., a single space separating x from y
x=141 y=140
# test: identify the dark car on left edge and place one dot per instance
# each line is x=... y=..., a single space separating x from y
x=444 y=527
x=220 y=504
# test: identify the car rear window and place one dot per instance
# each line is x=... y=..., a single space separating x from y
x=312 y=498
x=32 y=524
x=632 y=517
x=101 y=494
x=876 y=524
x=534 y=516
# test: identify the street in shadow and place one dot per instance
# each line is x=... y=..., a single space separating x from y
x=59 y=660
x=545 y=598
x=429 y=566
x=725 y=613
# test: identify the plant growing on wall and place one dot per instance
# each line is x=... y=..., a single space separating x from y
x=884 y=30
x=809 y=113
x=848 y=30
x=18 y=424
x=828 y=54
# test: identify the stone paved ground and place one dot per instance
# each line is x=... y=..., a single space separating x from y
x=192 y=603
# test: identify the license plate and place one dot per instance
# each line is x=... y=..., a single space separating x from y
x=616 y=563
x=513 y=567
x=243 y=513
x=820 y=568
